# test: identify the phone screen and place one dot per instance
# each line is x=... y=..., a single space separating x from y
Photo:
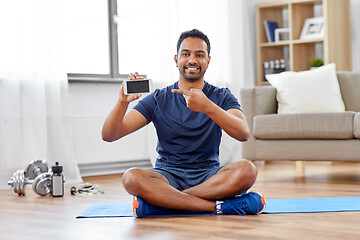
x=138 y=86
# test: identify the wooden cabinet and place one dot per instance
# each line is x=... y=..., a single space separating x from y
x=334 y=46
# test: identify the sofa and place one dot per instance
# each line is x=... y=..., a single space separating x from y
x=305 y=136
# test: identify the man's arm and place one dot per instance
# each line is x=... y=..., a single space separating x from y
x=119 y=123
x=232 y=121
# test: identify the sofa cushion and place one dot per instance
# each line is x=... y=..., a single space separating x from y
x=357 y=125
x=304 y=126
x=350 y=89
x=308 y=91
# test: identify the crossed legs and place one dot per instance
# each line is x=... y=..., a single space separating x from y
x=155 y=189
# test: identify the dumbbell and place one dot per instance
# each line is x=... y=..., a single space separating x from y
x=42 y=184
x=36 y=174
x=38 y=171
x=18 y=182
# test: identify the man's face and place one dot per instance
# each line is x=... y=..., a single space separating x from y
x=192 y=59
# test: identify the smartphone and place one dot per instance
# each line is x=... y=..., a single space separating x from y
x=138 y=86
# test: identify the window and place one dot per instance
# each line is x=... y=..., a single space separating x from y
x=132 y=19
x=86 y=37
x=91 y=42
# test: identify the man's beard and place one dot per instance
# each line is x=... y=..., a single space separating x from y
x=189 y=77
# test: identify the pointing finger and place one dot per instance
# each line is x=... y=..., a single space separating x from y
x=184 y=92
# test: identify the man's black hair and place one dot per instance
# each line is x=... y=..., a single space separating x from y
x=194 y=34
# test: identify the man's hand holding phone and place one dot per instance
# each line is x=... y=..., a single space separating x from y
x=124 y=96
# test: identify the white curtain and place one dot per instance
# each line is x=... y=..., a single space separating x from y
x=232 y=64
x=225 y=22
x=33 y=89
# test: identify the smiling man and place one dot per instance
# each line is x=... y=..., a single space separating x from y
x=189 y=117
x=192 y=65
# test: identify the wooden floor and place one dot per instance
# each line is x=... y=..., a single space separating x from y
x=35 y=217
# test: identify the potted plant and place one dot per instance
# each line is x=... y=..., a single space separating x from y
x=315 y=63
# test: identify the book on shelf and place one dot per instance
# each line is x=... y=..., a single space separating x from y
x=270 y=27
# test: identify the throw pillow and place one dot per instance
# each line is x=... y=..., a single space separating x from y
x=308 y=91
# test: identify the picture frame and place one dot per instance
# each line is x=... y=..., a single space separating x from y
x=313 y=28
x=282 y=34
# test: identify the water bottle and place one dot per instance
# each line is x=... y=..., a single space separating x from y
x=57 y=181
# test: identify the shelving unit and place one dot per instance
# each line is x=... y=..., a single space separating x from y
x=335 y=46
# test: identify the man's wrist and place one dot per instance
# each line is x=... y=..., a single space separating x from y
x=123 y=102
x=210 y=108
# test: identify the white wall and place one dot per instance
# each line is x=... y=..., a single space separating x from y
x=355 y=34
x=90 y=103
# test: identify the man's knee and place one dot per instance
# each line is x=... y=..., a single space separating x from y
x=250 y=171
x=131 y=180
x=246 y=173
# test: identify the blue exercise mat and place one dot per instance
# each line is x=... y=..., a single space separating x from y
x=297 y=205
x=307 y=205
x=102 y=210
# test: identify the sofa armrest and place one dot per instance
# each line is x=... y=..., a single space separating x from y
x=256 y=101
x=259 y=100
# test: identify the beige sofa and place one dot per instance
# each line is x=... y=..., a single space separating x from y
x=303 y=136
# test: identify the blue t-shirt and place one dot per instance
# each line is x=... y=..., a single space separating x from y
x=186 y=139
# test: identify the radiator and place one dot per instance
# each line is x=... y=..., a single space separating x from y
x=106 y=168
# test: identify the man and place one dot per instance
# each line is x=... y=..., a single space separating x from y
x=189 y=117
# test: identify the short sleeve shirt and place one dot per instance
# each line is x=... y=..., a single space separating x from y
x=186 y=139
